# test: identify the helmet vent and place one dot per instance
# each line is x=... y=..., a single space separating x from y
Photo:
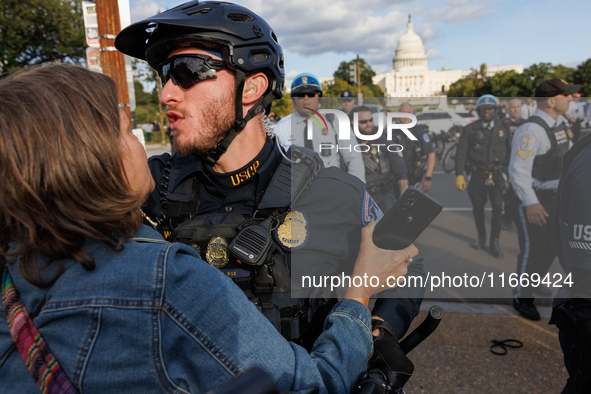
x=240 y=18
x=258 y=57
x=202 y=11
x=274 y=37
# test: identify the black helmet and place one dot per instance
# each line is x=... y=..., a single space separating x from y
x=247 y=42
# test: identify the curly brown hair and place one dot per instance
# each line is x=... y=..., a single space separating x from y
x=62 y=169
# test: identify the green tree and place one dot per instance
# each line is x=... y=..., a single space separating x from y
x=37 y=31
x=282 y=106
x=582 y=76
x=510 y=83
x=474 y=85
x=341 y=81
x=366 y=72
x=146 y=101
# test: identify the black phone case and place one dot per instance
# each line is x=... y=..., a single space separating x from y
x=406 y=220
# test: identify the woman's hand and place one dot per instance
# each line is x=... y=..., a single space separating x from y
x=376 y=265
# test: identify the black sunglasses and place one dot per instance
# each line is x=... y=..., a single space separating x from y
x=365 y=121
x=187 y=69
x=301 y=95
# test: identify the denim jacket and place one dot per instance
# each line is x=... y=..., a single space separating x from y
x=155 y=318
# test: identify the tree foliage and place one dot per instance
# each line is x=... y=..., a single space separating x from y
x=513 y=84
x=37 y=31
x=341 y=81
x=582 y=76
x=366 y=72
x=282 y=106
x=146 y=92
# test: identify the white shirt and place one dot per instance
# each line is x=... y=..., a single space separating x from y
x=530 y=140
x=528 y=110
x=576 y=110
x=290 y=131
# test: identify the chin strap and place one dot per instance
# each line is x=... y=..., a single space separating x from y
x=240 y=123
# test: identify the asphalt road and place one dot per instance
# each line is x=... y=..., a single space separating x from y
x=456 y=358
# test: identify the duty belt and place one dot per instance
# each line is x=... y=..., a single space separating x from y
x=487 y=172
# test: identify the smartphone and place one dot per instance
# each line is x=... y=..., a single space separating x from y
x=406 y=220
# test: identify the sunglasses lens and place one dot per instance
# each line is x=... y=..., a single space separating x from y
x=301 y=95
x=186 y=71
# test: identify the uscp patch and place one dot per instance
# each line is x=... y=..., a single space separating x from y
x=370 y=212
x=292 y=232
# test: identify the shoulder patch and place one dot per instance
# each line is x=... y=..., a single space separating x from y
x=527 y=143
x=370 y=212
x=524 y=155
x=426 y=137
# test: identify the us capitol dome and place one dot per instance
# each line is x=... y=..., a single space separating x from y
x=411 y=77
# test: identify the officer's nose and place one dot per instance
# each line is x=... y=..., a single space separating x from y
x=171 y=94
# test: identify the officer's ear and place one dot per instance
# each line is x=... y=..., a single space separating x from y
x=254 y=87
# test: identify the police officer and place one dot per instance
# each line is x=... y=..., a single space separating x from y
x=536 y=156
x=347 y=102
x=511 y=123
x=306 y=92
x=483 y=151
x=252 y=210
x=385 y=171
x=419 y=155
x=572 y=306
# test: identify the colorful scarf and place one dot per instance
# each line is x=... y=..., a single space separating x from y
x=41 y=363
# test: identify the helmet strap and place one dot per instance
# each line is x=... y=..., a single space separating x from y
x=240 y=123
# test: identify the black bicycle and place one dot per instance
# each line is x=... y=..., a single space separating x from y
x=449 y=158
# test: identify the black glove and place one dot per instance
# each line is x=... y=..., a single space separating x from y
x=388 y=357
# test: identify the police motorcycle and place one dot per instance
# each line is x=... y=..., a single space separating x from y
x=388 y=369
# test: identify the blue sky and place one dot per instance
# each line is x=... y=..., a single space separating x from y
x=459 y=34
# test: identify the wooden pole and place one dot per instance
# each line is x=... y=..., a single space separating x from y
x=112 y=61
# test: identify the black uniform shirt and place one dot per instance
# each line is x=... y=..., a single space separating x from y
x=483 y=149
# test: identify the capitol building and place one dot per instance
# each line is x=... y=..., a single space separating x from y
x=410 y=76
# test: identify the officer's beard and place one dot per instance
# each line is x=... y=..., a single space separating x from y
x=219 y=115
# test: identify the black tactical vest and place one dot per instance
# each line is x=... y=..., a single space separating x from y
x=241 y=245
x=378 y=173
x=549 y=165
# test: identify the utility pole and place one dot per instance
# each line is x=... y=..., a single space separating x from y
x=112 y=61
x=359 y=94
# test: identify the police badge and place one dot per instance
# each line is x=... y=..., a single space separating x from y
x=292 y=232
x=217 y=252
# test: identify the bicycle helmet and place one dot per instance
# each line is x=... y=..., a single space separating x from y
x=246 y=41
x=306 y=83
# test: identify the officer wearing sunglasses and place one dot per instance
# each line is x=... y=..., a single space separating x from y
x=222 y=66
x=306 y=93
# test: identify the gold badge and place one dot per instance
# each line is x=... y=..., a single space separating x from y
x=501 y=133
x=524 y=155
x=292 y=232
x=217 y=252
x=570 y=134
x=305 y=80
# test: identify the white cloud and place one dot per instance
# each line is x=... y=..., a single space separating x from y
x=142 y=9
x=370 y=28
x=458 y=11
x=432 y=54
